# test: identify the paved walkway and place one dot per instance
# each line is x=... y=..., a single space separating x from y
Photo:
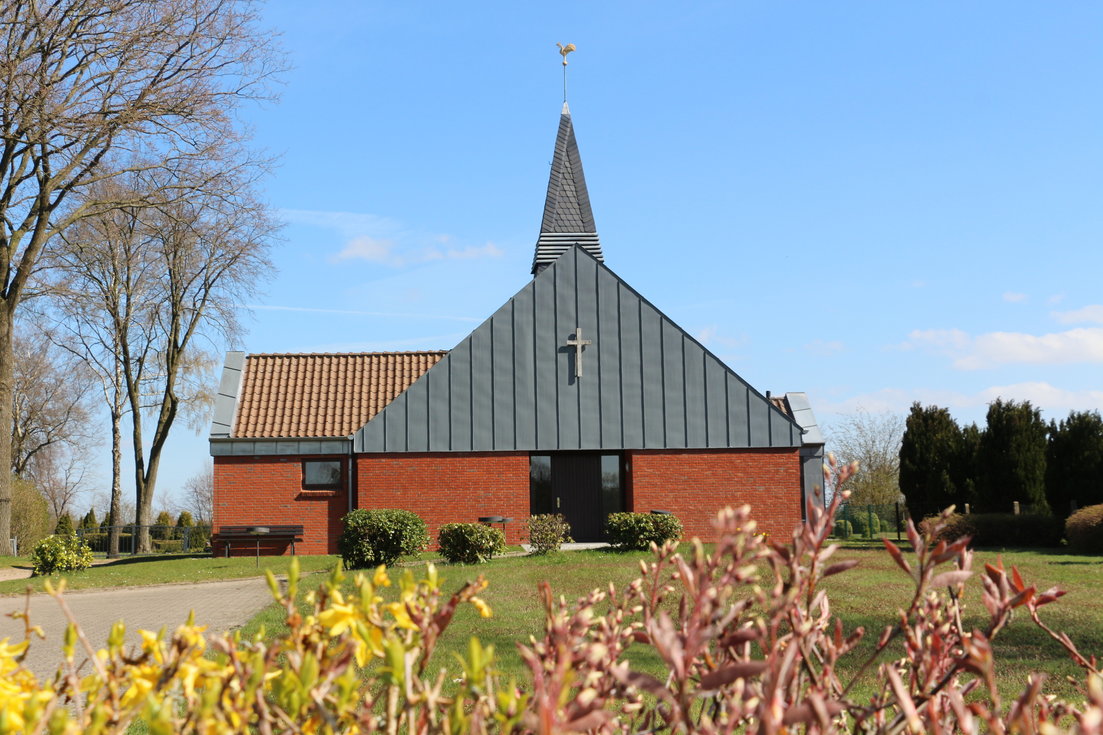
x=218 y=605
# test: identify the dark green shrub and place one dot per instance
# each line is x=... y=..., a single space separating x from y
x=866 y=524
x=168 y=546
x=64 y=526
x=89 y=520
x=162 y=527
x=548 y=532
x=1084 y=530
x=60 y=554
x=197 y=537
x=185 y=520
x=629 y=531
x=469 y=543
x=843 y=529
x=380 y=536
x=1002 y=529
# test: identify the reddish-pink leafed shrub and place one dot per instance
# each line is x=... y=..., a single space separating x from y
x=744 y=631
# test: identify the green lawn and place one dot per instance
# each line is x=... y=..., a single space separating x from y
x=146 y=570
x=867 y=596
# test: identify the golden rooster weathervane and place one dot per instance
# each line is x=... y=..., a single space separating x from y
x=563 y=51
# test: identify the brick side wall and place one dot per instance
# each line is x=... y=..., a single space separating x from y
x=694 y=484
x=448 y=487
x=269 y=491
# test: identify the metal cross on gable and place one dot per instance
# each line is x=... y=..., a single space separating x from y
x=575 y=340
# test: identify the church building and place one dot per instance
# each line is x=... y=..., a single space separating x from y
x=577 y=396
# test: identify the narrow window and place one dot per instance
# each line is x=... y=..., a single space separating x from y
x=612 y=485
x=541 y=498
x=322 y=474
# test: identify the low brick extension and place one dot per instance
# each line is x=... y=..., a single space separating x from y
x=695 y=483
x=269 y=491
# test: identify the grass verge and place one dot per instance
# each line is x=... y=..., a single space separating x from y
x=867 y=596
x=145 y=570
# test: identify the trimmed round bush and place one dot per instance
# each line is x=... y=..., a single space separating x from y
x=843 y=529
x=469 y=543
x=863 y=526
x=1084 y=530
x=637 y=531
x=60 y=554
x=1001 y=530
x=547 y=532
x=380 y=536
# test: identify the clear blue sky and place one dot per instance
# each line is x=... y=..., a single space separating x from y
x=876 y=203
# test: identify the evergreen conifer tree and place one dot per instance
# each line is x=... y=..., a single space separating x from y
x=1074 y=462
x=929 y=451
x=1011 y=461
x=64 y=526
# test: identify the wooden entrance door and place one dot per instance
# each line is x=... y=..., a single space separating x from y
x=576 y=484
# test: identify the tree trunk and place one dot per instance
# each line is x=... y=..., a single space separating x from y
x=114 y=520
x=7 y=308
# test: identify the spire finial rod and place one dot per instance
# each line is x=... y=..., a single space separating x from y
x=563 y=51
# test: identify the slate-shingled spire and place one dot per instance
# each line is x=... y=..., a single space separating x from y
x=568 y=219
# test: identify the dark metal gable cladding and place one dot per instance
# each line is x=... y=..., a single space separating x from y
x=511 y=384
x=568 y=219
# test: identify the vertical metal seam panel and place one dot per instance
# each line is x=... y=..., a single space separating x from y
x=662 y=380
x=493 y=437
x=620 y=368
x=513 y=365
x=535 y=375
x=451 y=434
x=643 y=387
x=577 y=379
x=558 y=443
x=597 y=336
x=685 y=390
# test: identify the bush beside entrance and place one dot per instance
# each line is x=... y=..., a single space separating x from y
x=380 y=536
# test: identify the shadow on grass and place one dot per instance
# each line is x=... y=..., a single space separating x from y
x=139 y=559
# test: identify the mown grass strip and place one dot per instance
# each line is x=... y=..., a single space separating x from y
x=143 y=570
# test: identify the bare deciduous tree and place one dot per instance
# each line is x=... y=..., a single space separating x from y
x=86 y=81
x=150 y=288
x=199 y=494
x=51 y=414
x=874 y=441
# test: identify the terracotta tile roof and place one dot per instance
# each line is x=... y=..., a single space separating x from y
x=314 y=395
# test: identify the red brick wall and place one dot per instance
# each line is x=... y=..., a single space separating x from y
x=269 y=491
x=461 y=487
x=694 y=484
x=448 y=487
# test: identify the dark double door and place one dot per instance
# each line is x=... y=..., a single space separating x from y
x=584 y=487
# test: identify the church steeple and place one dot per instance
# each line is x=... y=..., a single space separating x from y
x=568 y=219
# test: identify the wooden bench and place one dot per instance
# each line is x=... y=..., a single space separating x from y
x=256 y=533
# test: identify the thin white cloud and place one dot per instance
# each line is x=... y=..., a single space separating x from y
x=349 y=224
x=1052 y=400
x=1010 y=348
x=385 y=241
x=825 y=348
x=1092 y=314
x=429 y=342
x=1014 y=297
x=371 y=249
x=490 y=250
x=711 y=337
x=355 y=312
